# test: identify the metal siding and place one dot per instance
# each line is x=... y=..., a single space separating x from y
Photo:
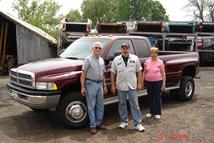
x=31 y=47
x=28 y=26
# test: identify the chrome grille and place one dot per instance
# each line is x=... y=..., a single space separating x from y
x=22 y=78
x=13 y=73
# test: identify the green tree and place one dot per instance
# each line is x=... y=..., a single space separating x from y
x=155 y=12
x=41 y=14
x=130 y=9
x=123 y=10
x=99 y=10
x=141 y=10
x=73 y=15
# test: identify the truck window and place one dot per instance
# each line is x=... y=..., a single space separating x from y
x=81 y=48
x=141 y=48
x=117 y=46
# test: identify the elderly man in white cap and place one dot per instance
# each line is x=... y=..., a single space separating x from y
x=93 y=85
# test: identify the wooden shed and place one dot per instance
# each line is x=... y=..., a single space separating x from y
x=21 y=42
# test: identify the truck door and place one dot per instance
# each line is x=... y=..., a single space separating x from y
x=142 y=50
x=114 y=50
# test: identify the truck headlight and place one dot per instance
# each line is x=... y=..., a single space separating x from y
x=46 y=86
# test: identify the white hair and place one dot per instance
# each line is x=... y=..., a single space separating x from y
x=97 y=43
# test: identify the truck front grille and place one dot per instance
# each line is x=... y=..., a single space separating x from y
x=22 y=78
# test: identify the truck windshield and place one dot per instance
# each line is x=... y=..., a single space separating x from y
x=81 y=48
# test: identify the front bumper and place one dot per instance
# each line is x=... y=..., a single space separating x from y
x=33 y=98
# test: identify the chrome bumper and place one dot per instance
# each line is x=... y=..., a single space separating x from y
x=35 y=101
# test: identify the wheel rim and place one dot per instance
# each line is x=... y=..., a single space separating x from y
x=76 y=111
x=189 y=89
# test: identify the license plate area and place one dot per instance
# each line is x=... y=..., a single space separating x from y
x=17 y=96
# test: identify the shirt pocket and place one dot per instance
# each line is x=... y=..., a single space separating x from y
x=132 y=67
x=120 y=68
x=102 y=67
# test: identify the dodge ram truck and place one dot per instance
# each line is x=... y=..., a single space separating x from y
x=55 y=83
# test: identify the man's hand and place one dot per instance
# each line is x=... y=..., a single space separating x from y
x=113 y=89
x=139 y=87
x=143 y=86
x=105 y=90
x=83 y=91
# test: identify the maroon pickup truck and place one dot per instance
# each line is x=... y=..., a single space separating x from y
x=55 y=83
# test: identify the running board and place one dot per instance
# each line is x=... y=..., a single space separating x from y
x=112 y=100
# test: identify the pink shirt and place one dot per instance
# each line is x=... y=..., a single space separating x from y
x=153 y=69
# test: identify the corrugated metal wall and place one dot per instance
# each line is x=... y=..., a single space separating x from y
x=31 y=47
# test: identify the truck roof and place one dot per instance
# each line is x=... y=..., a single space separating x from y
x=112 y=37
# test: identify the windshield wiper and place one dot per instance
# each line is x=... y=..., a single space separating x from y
x=73 y=58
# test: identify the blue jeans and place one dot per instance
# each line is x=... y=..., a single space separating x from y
x=133 y=101
x=155 y=96
x=95 y=103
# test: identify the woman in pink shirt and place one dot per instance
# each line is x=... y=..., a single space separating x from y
x=155 y=80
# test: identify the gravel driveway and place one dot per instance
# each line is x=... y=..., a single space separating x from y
x=191 y=121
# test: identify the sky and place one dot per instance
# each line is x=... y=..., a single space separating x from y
x=174 y=8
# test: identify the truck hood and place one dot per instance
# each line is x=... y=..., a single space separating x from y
x=52 y=66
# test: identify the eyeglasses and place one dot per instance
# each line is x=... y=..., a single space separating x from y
x=98 y=48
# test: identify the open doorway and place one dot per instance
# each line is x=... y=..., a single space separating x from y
x=8 y=46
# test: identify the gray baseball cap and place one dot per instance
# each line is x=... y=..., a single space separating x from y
x=125 y=45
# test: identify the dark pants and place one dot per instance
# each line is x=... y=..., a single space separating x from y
x=155 y=96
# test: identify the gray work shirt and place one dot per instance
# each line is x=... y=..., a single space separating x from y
x=94 y=68
x=126 y=75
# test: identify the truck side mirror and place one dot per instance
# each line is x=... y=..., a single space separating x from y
x=117 y=53
x=111 y=57
x=60 y=51
x=108 y=59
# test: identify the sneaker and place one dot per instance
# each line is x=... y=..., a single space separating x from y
x=139 y=127
x=148 y=115
x=123 y=125
x=157 y=116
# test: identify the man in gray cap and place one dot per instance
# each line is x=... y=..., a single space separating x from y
x=124 y=68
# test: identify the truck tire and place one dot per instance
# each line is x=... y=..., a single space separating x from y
x=187 y=88
x=72 y=110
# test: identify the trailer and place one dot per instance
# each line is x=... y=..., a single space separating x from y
x=69 y=32
x=205 y=32
x=170 y=36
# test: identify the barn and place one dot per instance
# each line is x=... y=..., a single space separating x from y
x=21 y=42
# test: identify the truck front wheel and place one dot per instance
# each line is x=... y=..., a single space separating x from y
x=187 y=88
x=72 y=110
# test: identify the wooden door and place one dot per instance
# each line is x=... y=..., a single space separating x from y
x=3 y=40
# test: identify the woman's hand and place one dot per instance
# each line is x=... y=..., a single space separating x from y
x=163 y=87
